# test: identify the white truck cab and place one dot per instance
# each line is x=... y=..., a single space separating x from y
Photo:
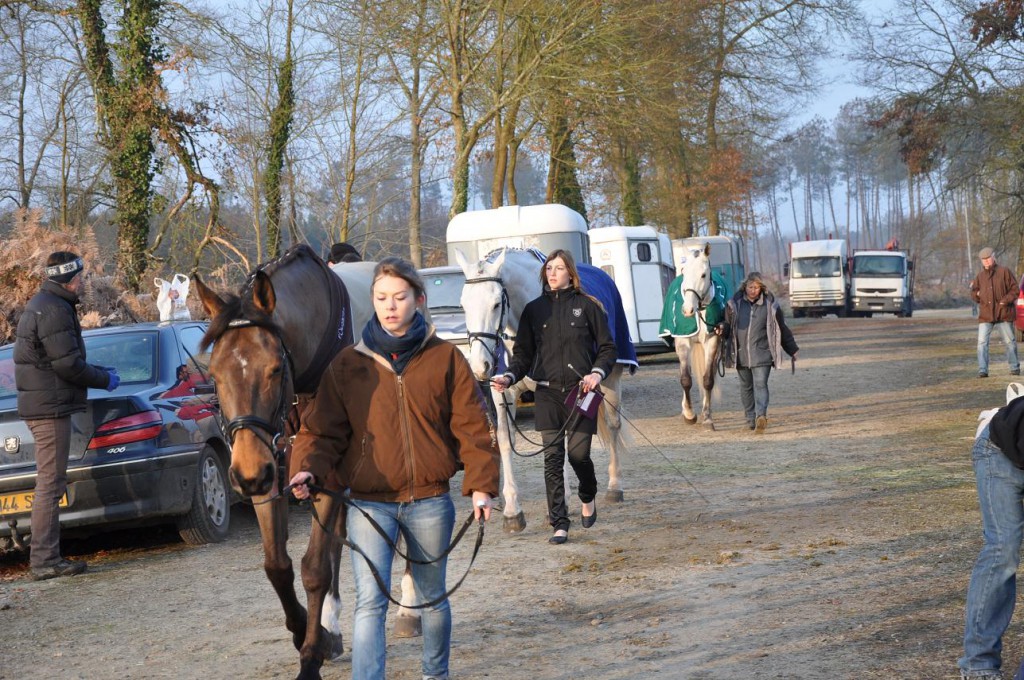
x=881 y=281
x=819 y=281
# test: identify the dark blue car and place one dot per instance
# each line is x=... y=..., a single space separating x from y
x=151 y=451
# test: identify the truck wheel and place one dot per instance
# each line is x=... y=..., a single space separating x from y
x=208 y=520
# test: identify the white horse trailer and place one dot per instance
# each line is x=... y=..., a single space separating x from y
x=726 y=257
x=546 y=227
x=639 y=260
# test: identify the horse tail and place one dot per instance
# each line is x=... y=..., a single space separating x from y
x=698 y=360
x=610 y=416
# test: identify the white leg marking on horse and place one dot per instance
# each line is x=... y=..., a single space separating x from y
x=330 y=615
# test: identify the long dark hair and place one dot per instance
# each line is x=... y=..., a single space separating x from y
x=574 y=274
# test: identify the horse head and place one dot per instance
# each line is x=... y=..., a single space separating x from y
x=251 y=369
x=696 y=272
x=485 y=301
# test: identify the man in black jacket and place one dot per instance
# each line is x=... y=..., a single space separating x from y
x=52 y=378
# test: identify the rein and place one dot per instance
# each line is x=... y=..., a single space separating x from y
x=340 y=497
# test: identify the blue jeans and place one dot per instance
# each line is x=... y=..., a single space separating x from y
x=985 y=332
x=427 y=527
x=992 y=592
x=754 y=390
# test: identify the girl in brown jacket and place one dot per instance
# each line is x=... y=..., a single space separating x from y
x=395 y=417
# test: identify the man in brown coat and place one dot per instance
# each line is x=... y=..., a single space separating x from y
x=995 y=291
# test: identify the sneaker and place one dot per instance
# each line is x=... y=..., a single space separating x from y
x=761 y=424
x=1015 y=371
x=982 y=374
x=981 y=675
x=62 y=568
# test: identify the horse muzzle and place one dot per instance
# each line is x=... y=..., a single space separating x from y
x=259 y=485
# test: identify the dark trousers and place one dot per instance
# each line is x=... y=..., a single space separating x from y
x=53 y=444
x=554 y=465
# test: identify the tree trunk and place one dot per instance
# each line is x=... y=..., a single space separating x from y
x=278 y=134
x=563 y=183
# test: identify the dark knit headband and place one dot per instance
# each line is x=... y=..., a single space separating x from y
x=65 y=272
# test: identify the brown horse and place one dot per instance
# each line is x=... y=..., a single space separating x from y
x=271 y=343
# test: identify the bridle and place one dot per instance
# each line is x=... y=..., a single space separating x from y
x=498 y=336
x=255 y=424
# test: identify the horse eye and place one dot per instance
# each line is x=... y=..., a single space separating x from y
x=496 y=305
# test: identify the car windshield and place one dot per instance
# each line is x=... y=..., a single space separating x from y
x=813 y=267
x=444 y=291
x=878 y=265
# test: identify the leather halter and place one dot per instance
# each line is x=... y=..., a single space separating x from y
x=498 y=335
x=275 y=426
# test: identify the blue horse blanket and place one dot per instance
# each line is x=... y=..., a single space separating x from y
x=597 y=283
x=674 y=324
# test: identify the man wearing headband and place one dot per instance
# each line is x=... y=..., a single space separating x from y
x=52 y=377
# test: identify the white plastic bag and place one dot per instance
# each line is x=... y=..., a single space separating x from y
x=171 y=298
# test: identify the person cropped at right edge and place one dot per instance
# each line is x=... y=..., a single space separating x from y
x=757 y=335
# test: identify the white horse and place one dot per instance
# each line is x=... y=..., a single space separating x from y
x=694 y=304
x=494 y=297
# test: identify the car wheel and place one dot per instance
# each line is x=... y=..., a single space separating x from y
x=208 y=519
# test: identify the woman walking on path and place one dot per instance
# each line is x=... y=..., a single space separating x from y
x=563 y=342
x=757 y=336
x=396 y=416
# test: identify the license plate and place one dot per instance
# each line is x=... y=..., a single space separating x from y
x=15 y=503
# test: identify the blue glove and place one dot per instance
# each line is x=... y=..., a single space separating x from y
x=115 y=379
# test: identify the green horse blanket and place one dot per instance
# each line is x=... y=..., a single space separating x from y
x=674 y=324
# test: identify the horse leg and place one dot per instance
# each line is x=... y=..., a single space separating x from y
x=513 y=520
x=685 y=379
x=708 y=383
x=612 y=422
x=273 y=521
x=408 y=623
x=320 y=567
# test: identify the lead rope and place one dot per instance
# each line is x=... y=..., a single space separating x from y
x=340 y=497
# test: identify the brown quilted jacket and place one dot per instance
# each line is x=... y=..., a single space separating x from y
x=995 y=290
x=399 y=438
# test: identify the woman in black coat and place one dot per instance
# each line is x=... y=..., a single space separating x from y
x=562 y=334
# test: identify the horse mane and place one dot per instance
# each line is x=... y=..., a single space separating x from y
x=241 y=307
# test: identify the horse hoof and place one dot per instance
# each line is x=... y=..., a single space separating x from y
x=334 y=643
x=613 y=496
x=408 y=626
x=515 y=524
x=308 y=671
x=690 y=421
x=708 y=425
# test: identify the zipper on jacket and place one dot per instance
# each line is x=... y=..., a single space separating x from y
x=403 y=417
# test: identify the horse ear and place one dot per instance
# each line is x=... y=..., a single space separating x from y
x=212 y=302
x=707 y=249
x=500 y=260
x=461 y=260
x=263 y=295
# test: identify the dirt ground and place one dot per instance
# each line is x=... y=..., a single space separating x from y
x=836 y=545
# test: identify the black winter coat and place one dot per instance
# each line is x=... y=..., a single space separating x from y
x=49 y=357
x=559 y=328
